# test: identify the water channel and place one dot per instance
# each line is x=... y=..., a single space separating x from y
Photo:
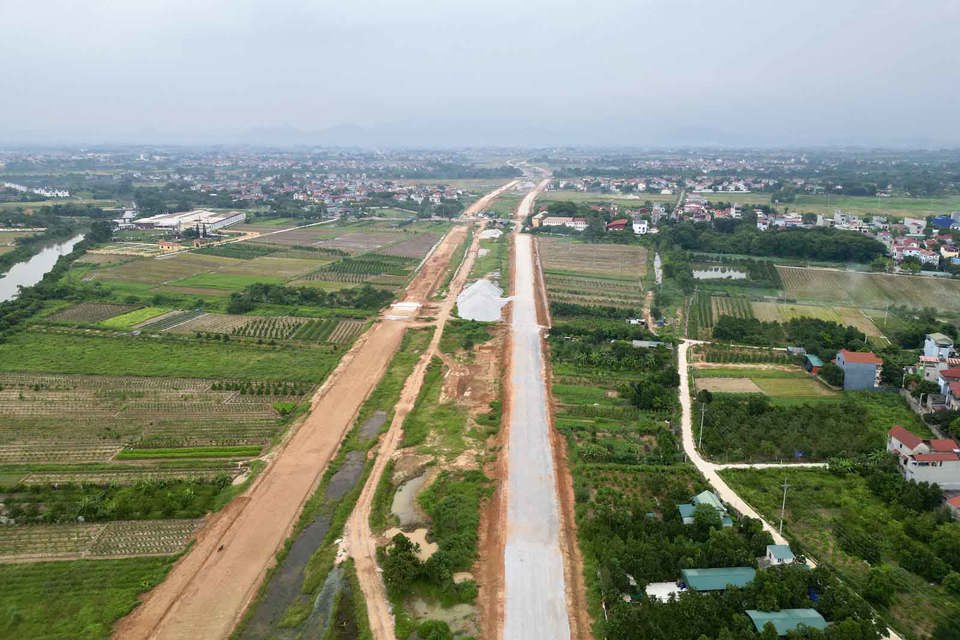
x=31 y=271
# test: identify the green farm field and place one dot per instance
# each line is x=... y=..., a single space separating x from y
x=76 y=600
x=781 y=385
x=72 y=353
x=870 y=290
x=132 y=318
x=863 y=206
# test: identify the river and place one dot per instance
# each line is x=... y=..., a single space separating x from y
x=31 y=271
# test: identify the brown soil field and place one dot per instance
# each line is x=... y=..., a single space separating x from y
x=728 y=385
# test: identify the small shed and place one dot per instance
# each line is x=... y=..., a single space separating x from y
x=780 y=554
x=718 y=579
x=812 y=363
x=787 y=620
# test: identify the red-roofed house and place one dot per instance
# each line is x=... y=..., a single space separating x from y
x=861 y=370
x=618 y=225
x=936 y=461
x=945 y=377
x=954 y=505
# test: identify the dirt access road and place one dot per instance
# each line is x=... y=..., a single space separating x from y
x=358 y=540
x=208 y=590
x=535 y=599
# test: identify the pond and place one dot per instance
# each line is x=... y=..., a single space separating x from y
x=31 y=271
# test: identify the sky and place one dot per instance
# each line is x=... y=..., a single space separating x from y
x=481 y=72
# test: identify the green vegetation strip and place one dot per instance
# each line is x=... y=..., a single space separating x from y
x=192 y=452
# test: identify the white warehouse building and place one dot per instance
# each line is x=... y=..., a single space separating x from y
x=210 y=220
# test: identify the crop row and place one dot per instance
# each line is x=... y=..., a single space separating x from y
x=736 y=306
x=276 y=328
x=166 y=321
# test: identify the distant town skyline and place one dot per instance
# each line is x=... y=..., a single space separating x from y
x=423 y=73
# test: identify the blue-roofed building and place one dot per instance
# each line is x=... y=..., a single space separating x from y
x=717 y=579
x=708 y=498
x=787 y=620
x=780 y=554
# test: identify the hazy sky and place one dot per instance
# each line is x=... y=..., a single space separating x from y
x=644 y=72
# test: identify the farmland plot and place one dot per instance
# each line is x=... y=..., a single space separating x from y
x=782 y=312
x=616 y=260
x=361 y=242
x=88 y=418
x=415 y=247
x=106 y=539
x=90 y=312
x=735 y=306
x=870 y=290
x=211 y=323
x=593 y=291
x=346 y=331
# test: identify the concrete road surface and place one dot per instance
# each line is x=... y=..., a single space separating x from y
x=534 y=587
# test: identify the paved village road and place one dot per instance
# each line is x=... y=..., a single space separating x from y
x=709 y=469
x=534 y=584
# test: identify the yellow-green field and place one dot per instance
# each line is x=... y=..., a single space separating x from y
x=864 y=206
x=870 y=290
x=782 y=312
x=783 y=384
x=605 y=198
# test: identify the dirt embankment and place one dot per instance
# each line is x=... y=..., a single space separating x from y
x=207 y=591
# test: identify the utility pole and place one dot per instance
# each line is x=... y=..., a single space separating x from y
x=703 y=409
x=783 y=505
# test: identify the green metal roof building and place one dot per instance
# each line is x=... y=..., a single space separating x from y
x=708 y=498
x=717 y=579
x=787 y=620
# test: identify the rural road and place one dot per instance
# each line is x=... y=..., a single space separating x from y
x=534 y=583
x=210 y=587
x=709 y=469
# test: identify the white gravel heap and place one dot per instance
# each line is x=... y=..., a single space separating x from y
x=482 y=301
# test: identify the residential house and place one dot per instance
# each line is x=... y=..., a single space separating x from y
x=618 y=225
x=779 y=554
x=945 y=377
x=937 y=345
x=708 y=498
x=641 y=227
x=953 y=504
x=861 y=370
x=936 y=460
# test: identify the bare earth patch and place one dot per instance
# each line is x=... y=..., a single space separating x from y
x=728 y=385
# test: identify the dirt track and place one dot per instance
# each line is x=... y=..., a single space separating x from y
x=208 y=590
x=359 y=540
